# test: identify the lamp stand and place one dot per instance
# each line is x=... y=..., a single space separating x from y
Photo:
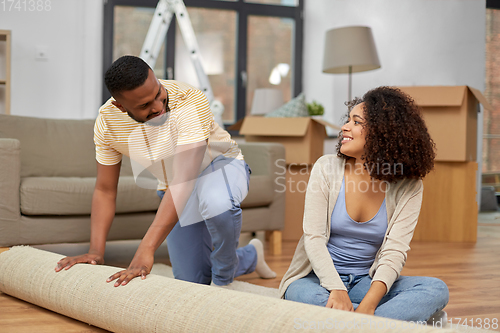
x=350 y=84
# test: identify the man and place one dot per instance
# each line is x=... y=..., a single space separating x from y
x=167 y=128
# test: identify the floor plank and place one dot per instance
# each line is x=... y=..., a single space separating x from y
x=17 y=316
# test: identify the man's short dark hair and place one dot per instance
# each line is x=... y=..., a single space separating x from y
x=126 y=73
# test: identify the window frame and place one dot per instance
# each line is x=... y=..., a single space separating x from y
x=243 y=9
x=493 y=4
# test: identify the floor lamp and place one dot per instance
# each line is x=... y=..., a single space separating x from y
x=350 y=50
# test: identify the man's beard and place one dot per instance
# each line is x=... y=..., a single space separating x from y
x=132 y=116
x=167 y=111
x=156 y=121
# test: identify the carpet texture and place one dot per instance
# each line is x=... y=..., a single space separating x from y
x=166 y=271
x=162 y=304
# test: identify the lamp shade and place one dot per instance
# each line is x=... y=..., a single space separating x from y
x=350 y=46
x=266 y=100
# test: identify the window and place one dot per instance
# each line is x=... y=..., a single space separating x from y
x=277 y=46
x=215 y=32
x=276 y=2
x=241 y=42
x=130 y=27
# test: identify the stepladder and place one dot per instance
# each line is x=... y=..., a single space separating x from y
x=162 y=17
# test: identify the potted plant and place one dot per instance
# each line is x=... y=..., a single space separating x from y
x=315 y=109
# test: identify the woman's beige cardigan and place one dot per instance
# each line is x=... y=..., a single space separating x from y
x=403 y=202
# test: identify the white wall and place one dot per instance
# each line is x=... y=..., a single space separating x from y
x=68 y=83
x=419 y=42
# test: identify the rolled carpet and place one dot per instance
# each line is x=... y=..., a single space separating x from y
x=161 y=304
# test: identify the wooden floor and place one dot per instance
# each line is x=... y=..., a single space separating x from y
x=471 y=271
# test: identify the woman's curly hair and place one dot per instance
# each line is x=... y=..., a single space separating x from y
x=398 y=145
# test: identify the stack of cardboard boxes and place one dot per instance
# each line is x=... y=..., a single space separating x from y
x=449 y=208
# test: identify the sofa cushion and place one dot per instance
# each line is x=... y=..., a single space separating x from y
x=52 y=147
x=73 y=196
x=261 y=192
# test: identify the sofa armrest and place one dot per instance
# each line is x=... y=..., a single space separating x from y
x=10 y=180
x=264 y=158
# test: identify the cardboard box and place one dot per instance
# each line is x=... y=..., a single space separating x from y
x=449 y=207
x=297 y=177
x=450 y=113
x=303 y=137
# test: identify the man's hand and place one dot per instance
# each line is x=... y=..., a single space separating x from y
x=89 y=258
x=339 y=299
x=103 y=212
x=140 y=266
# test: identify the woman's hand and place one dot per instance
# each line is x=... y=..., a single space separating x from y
x=365 y=310
x=372 y=298
x=89 y=258
x=339 y=299
x=140 y=266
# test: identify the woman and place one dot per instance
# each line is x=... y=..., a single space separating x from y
x=361 y=210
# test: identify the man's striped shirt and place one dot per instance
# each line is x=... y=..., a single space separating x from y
x=190 y=120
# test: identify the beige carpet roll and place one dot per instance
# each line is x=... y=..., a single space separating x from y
x=160 y=304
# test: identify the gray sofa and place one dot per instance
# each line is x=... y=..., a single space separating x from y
x=47 y=177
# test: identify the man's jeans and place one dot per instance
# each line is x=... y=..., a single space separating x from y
x=208 y=250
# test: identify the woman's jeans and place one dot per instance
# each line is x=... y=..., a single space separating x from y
x=208 y=250
x=411 y=298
